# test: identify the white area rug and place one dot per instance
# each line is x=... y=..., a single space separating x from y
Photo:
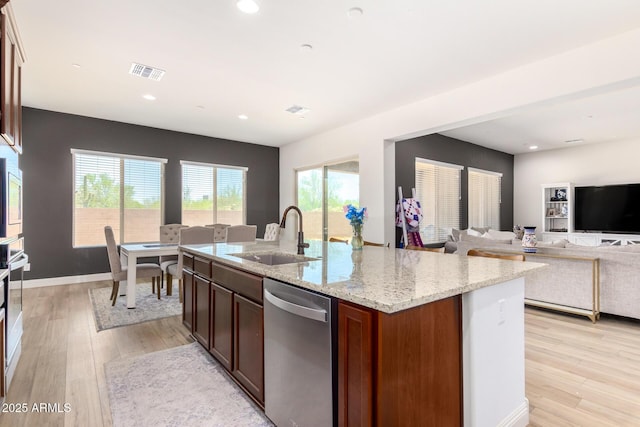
x=148 y=307
x=182 y=387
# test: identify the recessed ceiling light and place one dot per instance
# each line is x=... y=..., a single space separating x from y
x=243 y=117
x=149 y=97
x=74 y=65
x=200 y=107
x=355 y=13
x=574 y=141
x=297 y=110
x=306 y=48
x=533 y=147
x=248 y=6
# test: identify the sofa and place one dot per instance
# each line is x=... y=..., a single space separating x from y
x=567 y=281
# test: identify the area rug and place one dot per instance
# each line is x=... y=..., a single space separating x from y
x=183 y=386
x=148 y=307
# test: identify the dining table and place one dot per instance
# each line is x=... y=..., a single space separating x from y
x=129 y=255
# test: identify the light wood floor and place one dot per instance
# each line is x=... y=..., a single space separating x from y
x=63 y=356
x=577 y=373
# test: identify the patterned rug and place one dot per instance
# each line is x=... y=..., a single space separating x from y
x=182 y=387
x=148 y=307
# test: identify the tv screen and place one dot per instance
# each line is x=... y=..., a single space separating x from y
x=608 y=208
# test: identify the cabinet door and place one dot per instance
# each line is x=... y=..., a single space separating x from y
x=355 y=366
x=201 y=319
x=187 y=305
x=248 y=363
x=10 y=82
x=222 y=325
x=2 y=351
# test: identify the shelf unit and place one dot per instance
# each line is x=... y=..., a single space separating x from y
x=557 y=208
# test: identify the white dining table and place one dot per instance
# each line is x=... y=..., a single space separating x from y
x=129 y=254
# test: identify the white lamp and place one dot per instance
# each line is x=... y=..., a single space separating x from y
x=248 y=6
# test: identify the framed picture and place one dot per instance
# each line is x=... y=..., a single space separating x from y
x=561 y=194
x=552 y=212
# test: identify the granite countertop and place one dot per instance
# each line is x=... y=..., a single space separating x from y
x=385 y=279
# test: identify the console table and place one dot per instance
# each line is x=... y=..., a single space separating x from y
x=593 y=313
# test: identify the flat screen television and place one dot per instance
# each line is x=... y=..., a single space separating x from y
x=608 y=208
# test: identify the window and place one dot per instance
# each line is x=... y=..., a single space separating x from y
x=322 y=193
x=438 y=190
x=484 y=198
x=125 y=192
x=213 y=194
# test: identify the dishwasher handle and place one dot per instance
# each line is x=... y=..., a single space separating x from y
x=299 y=310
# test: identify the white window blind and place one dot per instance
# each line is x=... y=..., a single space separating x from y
x=485 y=196
x=125 y=192
x=438 y=190
x=213 y=194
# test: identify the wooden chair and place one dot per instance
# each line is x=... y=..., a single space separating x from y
x=382 y=245
x=188 y=236
x=513 y=257
x=420 y=248
x=335 y=239
x=119 y=272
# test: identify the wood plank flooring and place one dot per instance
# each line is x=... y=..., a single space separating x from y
x=577 y=373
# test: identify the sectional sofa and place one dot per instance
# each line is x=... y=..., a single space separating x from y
x=568 y=280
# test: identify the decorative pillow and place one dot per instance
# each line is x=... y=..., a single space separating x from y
x=503 y=235
x=450 y=247
x=472 y=232
x=455 y=234
x=483 y=241
x=480 y=230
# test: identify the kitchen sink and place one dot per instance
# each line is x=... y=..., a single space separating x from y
x=275 y=259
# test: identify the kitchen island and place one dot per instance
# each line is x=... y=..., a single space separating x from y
x=423 y=336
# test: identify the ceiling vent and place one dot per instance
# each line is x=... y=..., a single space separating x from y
x=298 y=110
x=146 y=72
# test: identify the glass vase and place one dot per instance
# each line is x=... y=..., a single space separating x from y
x=356 y=240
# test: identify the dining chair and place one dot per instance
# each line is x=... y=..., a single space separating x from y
x=272 y=232
x=335 y=239
x=169 y=233
x=382 y=245
x=514 y=257
x=241 y=233
x=422 y=248
x=188 y=236
x=119 y=272
x=219 y=231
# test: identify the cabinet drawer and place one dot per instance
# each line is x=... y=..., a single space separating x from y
x=245 y=284
x=187 y=261
x=202 y=266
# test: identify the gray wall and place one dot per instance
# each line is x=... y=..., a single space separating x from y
x=444 y=149
x=48 y=182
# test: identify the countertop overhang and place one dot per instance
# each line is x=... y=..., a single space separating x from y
x=384 y=279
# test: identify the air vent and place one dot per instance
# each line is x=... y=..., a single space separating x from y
x=298 y=110
x=146 y=72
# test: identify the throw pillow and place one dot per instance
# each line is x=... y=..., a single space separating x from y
x=483 y=241
x=472 y=232
x=500 y=235
x=554 y=244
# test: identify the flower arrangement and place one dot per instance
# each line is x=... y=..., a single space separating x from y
x=356 y=217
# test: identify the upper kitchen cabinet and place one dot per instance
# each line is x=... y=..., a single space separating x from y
x=11 y=59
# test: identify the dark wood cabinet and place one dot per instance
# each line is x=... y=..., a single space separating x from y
x=355 y=365
x=223 y=310
x=221 y=346
x=188 y=297
x=11 y=60
x=248 y=364
x=394 y=369
x=202 y=310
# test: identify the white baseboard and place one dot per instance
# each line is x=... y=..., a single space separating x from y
x=519 y=417
x=67 y=280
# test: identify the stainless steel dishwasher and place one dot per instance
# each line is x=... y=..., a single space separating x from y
x=299 y=356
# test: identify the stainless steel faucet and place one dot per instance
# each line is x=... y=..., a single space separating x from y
x=283 y=223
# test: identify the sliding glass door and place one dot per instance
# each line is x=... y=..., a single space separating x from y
x=321 y=194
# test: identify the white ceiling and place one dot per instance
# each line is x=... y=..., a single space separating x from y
x=221 y=63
